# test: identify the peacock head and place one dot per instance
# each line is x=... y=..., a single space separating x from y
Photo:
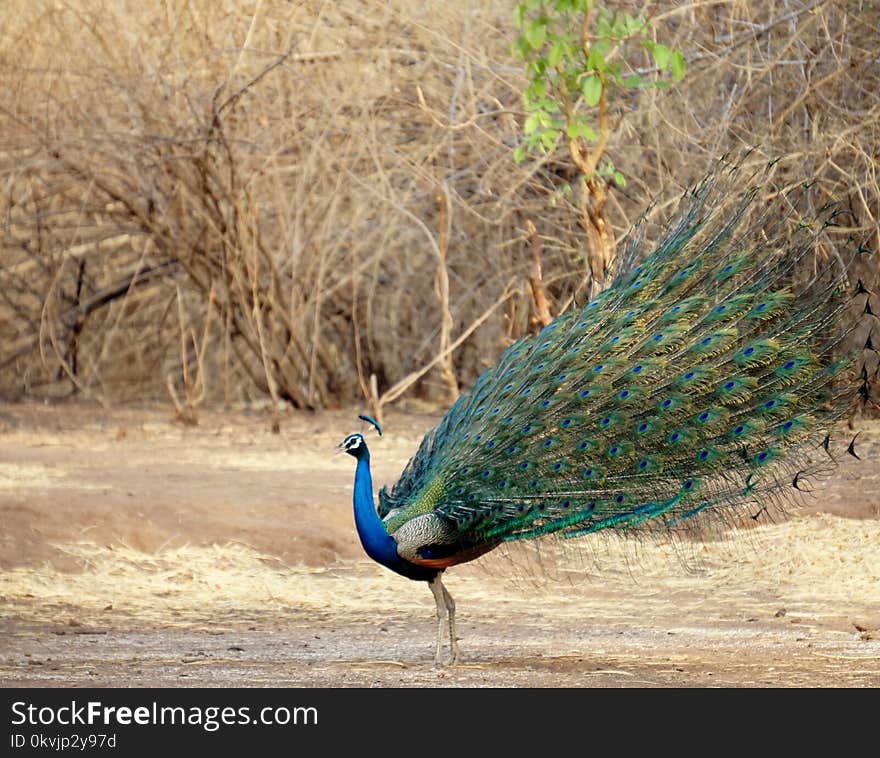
x=354 y=445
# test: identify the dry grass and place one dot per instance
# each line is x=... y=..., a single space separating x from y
x=230 y=200
x=801 y=562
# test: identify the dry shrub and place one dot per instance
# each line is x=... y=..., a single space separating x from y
x=232 y=200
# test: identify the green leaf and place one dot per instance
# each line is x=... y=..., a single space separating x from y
x=532 y=122
x=596 y=59
x=661 y=56
x=549 y=139
x=619 y=179
x=677 y=65
x=519 y=15
x=591 y=87
x=581 y=129
x=519 y=155
x=556 y=53
x=633 y=81
x=535 y=34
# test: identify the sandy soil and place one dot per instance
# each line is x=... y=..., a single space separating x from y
x=137 y=552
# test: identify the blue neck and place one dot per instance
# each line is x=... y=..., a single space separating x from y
x=376 y=541
x=378 y=544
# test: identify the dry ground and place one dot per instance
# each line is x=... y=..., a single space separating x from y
x=137 y=552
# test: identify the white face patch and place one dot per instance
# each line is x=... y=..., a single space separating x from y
x=352 y=442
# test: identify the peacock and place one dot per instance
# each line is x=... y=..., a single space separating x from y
x=708 y=376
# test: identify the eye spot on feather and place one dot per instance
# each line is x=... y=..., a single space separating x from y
x=643 y=465
x=643 y=427
x=545 y=403
x=605 y=421
x=676 y=309
x=566 y=503
x=674 y=437
x=788 y=425
x=524 y=465
x=614 y=340
x=624 y=395
x=657 y=337
x=478 y=438
x=618 y=499
x=727 y=269
x=760 y=306
x=704 y=416
x=598 y=368
x=705 y=340
x=548 y=443
x=739 y=430
x=585 y=393
x=486 y=474
x=748 y=351
x=588 y=472
x=703 y=454
x=560 y=378
x=527 y=428
x=666 y=403
x=566 y=422
x=637 y=369
x=769 y=403
x=507 y=387
x=557 y=466
x=527 y=391
x=490 y=444
x=729 y=385
x=507 y=420
x=502 y=484
x=789 y=365
x=472 y=496
x=689 y=375
x=495 y=411
x=510 y=450
x=688 y=484
x=584 y=445
x=721 y=309
x=762 y=457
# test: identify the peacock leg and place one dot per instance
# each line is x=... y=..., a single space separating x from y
x=445 y=609
x=450 y=608
x=437 y=590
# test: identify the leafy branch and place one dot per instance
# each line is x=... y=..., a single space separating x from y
x=578 y=55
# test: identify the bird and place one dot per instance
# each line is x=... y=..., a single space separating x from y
x=706 y=379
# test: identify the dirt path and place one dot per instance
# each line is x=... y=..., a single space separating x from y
x=137 y=552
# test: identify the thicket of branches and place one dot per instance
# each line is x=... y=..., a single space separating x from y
x=316 y=202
